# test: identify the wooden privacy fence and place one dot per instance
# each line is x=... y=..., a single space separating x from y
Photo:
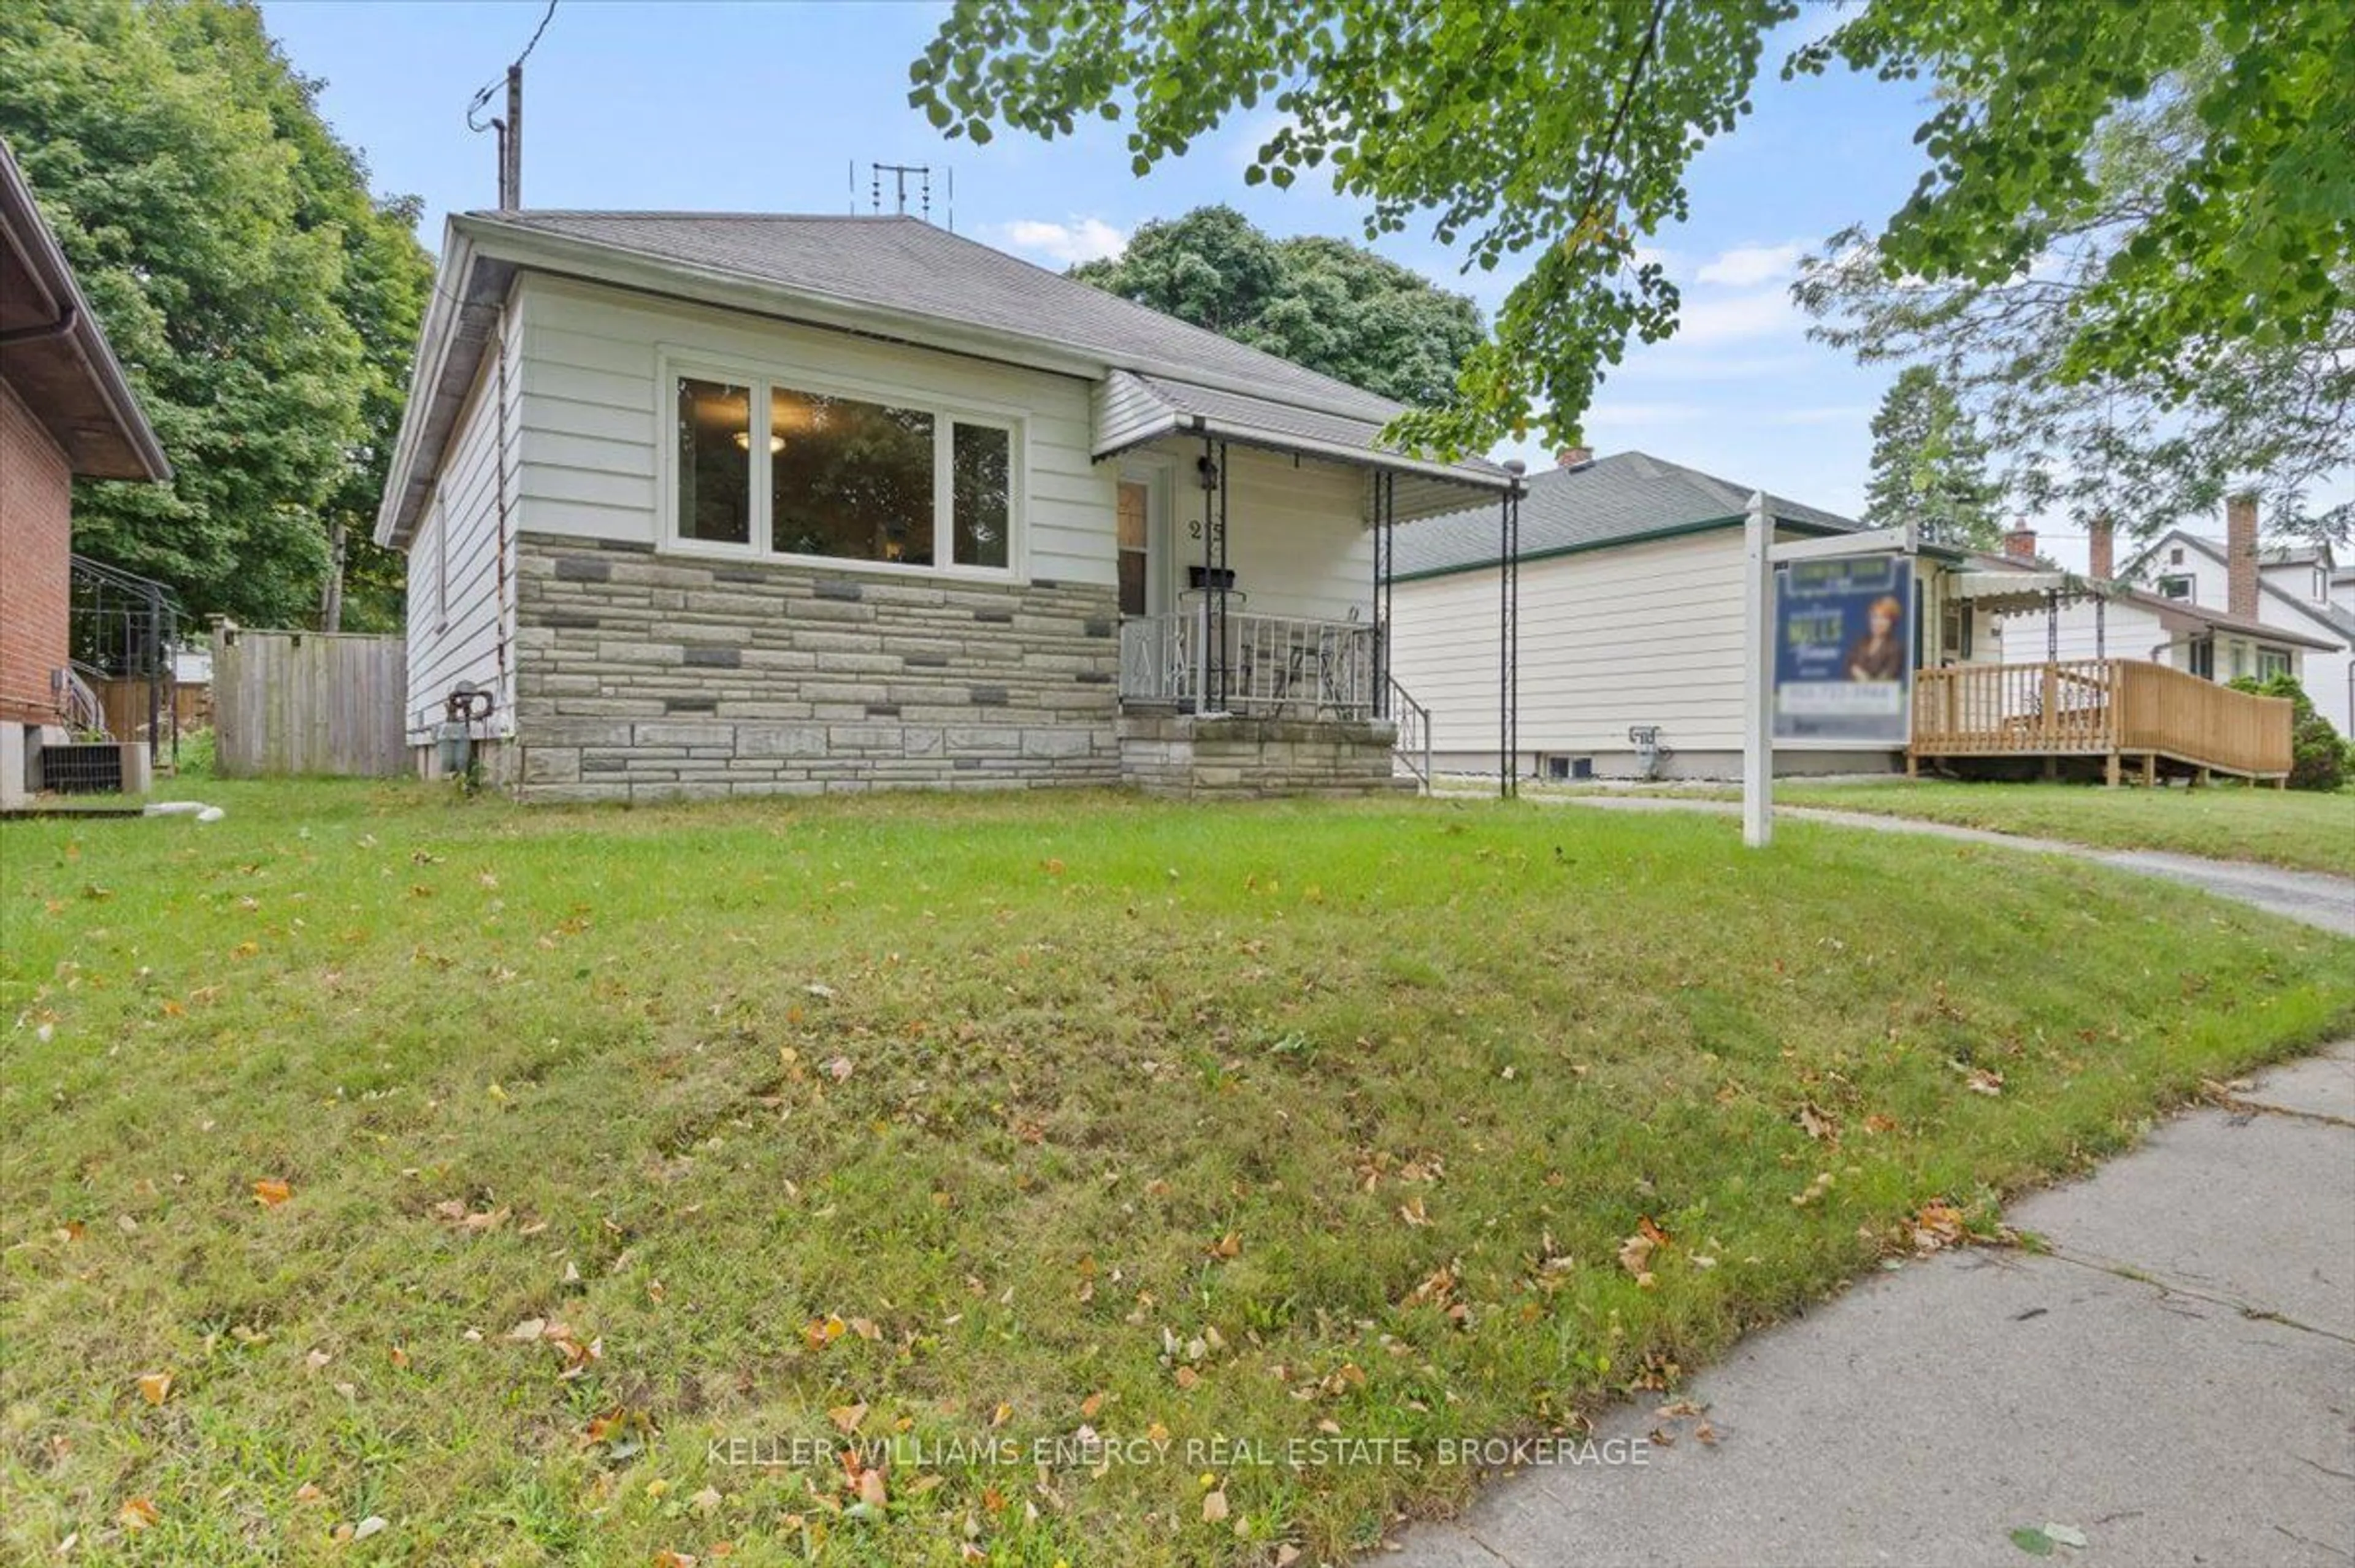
x=2099 y=708
x=181 y=707
x=308 y=702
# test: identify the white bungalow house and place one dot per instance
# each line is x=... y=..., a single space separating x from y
x=1632 y=650
x=725 y=503
x=1631 y=625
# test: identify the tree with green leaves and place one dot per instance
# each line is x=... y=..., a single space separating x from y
x=264 y=304
x=2147 y=447
x=1561 y=135
x=1325 y=303
x=1929 y=465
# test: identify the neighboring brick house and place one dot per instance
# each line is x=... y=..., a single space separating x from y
x=728 y=504
x=66 y=411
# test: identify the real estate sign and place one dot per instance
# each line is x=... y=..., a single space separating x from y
x=1844 y=650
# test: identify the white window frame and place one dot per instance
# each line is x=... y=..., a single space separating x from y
x=759 y=377
x=2191 y=593
x=2267 y=656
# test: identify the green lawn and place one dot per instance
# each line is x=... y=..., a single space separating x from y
x=613 y=1139
x=2287 y=828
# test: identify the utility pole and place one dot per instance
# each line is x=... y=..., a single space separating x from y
x=331 y=598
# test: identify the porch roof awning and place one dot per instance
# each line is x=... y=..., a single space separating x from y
x=2004 y=592
x=1134 y=409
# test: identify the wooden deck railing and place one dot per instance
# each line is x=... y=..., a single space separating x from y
x=2098 y=707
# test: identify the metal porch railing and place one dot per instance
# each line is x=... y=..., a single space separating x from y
x=1262 y=665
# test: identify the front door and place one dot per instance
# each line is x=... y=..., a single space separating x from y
x=1136 y=547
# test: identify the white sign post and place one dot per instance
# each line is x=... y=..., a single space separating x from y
x=1761 y=556
x=1758 y=691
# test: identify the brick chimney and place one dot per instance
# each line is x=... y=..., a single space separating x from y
x=2240 y=555
x=2020 y=541
x=2102 y=547
x=1573 y=457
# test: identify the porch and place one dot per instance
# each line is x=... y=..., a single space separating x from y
x=2121 y=711
x=1257 y=544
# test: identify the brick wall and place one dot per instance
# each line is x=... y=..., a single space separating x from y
x=36 y=569
x=641 y=677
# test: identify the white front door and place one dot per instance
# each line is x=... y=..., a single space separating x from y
x=1143 y=516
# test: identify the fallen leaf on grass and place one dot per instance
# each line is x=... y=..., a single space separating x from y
x=138 y=1514
x=375 y=1524
x=1214 y=1507
x=270 y=1192
x=847 y=1417
x=1636 y=1252
x=871 y=1490
x=705 y=1502
x=674 y=1559
x=1227 y=1246
x=530 y=1329
x=156 y=1387
x=1818 y=1124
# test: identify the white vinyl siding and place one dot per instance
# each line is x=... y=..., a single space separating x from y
x=1644 y=634
x=457 y=621
x=597 y=411
x=1297 y=539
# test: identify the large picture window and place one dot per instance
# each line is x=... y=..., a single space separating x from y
x=829 y=476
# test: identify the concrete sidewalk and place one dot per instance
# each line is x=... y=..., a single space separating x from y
x=2174 y=1379
x=2316 y=898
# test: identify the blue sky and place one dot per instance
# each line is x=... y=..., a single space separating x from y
x=767 y=107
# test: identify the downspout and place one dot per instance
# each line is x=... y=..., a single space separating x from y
x=507 y=693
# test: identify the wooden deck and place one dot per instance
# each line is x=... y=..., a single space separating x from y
x=2123 y=712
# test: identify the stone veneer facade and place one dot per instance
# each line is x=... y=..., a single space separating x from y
x=1174 y=753
x=645 y=677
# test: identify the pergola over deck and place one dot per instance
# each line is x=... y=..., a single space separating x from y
x=2118 y=711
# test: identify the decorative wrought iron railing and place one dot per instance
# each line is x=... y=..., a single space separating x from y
x=1264 y=666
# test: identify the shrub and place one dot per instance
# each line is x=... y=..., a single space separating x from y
x=2319 y=759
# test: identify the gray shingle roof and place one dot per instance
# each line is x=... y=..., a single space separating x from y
x=1617 y=499
x=906 y=264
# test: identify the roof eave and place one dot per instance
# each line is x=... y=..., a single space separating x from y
x=54 y=275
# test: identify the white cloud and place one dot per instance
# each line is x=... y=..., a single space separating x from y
x=1067 y=244
x=1735 y=318
x=1747 y=266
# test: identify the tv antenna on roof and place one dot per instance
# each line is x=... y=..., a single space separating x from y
x=902 y=178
